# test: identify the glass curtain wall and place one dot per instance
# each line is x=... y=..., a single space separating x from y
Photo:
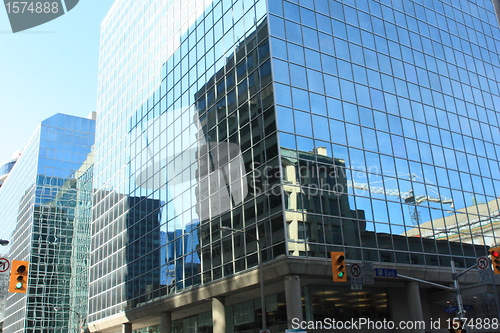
x=389 y=127
x=178 y=143
x=38 y=212
x=387 y=144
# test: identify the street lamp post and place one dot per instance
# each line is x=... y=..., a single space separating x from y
x=261 y=273
x=80 y=317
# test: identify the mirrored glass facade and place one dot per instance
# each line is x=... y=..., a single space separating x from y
x=405 y=95
x=80 y=249
x=370 y=127
x=38 y=212
x=174 y=151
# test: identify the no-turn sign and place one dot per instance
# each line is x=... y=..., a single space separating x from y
x=4 y=265
x=355 y=270
x=482 y=263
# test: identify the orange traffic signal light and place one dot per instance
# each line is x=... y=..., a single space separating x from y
x=18 y=282
x=495 y=259
x=338 y=267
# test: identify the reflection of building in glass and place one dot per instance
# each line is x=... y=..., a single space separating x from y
x=142 y=225
x=80 y=248
x=235 y=114
x=184 y=249
x=136 y=267
x=323 y=192
x=236 y=146
x=38 y=214
x=466 y=225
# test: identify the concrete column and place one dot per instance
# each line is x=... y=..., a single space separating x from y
x=219 y=315
x=166 y=322
x=127 y=328
x=414 y=303
x=398 y=305
x=308 y=302
x=293 y=298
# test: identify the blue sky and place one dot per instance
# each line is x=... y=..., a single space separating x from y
x=48 y=69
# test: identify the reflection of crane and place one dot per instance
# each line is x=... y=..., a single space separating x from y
x=409 y=197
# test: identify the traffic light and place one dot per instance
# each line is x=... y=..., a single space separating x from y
x=338 y=267
x=18 y=282
x=495 y=259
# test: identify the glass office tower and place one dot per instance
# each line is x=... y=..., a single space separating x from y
x=38 y=202
x=369 y=127
x=80 y=249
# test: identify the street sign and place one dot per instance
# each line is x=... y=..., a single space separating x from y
x=485 y=276
x=356 y=279
x=4 y=265
x=4 y=280
x=386 y=272
x=265 y=331
x=356 y=283
x=367 y=273
x=482 y=263
x=451 y=309
x=355 y=270
x=454 y=309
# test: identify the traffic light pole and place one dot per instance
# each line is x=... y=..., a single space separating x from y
x=456 y=285
x=458 y=292
x=427 y=282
